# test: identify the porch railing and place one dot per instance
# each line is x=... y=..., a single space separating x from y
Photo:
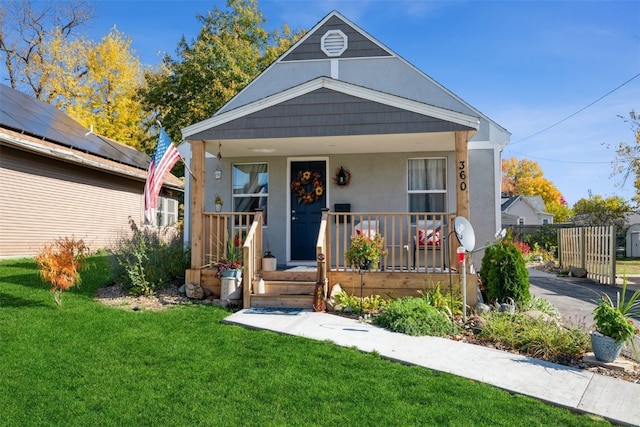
x=414 y=241
x=218 y=228
x=252 y=253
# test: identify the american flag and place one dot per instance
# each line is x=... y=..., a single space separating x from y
x=164 y=157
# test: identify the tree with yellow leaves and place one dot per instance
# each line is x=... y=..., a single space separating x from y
x=97 y=84
x=27 y=28
x=524 y=177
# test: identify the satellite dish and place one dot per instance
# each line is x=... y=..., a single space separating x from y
x=464 y=232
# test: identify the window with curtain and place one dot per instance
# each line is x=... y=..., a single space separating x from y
x=427 y=184
x=251 y=187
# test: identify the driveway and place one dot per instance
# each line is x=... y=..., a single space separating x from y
x=575 y=298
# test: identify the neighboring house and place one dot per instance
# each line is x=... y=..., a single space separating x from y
x=524 y=210
x=57 y=179
x=632 y=236
x=343 y=108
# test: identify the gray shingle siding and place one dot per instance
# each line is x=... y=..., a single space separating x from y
x=358 y=45
x=325 y=112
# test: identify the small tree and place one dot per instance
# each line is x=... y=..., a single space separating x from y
x=504 y=273
x=60 y=264
x=598 y=211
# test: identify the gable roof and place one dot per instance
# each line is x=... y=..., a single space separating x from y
x=364 y=63
x=360 y=44
x=536 y=203
x=349 y=107
x=32 y=125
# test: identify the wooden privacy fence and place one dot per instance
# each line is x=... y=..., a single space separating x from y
x=590 y=248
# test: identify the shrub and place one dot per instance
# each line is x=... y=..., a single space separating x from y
x=504 y=273
x=149 y=259
x=523 y=248
x=60 y=264
x=415 y=316
x=450 y=302
x=536 y=338
x=369 y=304
x=544 y=240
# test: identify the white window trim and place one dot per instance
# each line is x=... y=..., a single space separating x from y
x=245 y=195
x=165 y=203
x=446 y=179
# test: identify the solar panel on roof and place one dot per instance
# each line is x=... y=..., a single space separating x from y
x=26 y=114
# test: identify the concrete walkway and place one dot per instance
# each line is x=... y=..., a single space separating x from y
x=584 y=391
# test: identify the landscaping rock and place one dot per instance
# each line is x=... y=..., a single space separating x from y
x=330 y=303
x=482 y=308
x=194 y=291
x=577 y=272
x=539 y=315
x=476 y=324
x=335 y=290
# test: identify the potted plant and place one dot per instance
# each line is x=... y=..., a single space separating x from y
x=230 y=271
x=231 y=264
x=614 y=326
x=219 y=202
x=364 y=252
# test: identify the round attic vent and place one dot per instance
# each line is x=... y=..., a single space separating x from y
x=334 y=43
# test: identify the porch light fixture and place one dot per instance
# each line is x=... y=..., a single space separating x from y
x=342 y=178
x=218 y=171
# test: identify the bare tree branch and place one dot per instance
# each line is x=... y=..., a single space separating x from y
x=25 y=29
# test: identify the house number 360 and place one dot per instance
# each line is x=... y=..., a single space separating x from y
x=462 y=173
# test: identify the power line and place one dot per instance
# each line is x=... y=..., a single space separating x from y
x=577 y=112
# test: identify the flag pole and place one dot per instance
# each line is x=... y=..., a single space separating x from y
x=180 y=155
x=188 y=168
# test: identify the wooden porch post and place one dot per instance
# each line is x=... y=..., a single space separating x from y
x=462 y=174
x=462 y=180
x=197 y=202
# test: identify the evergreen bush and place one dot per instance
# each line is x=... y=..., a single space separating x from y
x=504 y=273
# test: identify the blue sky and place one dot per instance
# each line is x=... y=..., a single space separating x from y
x=525 y=64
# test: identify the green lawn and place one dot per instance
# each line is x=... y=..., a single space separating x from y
x=86 y=364
x=627 y=266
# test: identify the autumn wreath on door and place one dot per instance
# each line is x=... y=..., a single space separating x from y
x=308 y=187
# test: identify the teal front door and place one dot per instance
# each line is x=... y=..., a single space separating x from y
x=308 y=197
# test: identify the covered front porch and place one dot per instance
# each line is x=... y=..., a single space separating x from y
x=420 y=253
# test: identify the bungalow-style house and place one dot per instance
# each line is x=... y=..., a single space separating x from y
x=524 y=210
x=58 y=179
x=340 y=136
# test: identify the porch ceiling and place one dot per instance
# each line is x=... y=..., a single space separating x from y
x=355 y=144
